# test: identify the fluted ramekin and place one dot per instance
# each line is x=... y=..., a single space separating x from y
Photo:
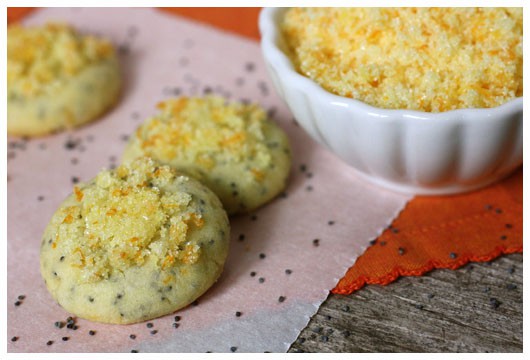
x=407 y=151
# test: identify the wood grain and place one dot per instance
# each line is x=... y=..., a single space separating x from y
x=477 y=308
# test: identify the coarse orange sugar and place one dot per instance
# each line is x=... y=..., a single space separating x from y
x=126 y=215
x=207 y=131
x=429 y=59
x=39 y=59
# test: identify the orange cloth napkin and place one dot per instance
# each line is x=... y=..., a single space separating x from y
x=431 y=232
x=443 y=233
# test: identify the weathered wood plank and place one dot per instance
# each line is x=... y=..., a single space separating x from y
x=478 y=308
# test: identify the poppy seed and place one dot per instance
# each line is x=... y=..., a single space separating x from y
x=59 y=324
x=70 y=144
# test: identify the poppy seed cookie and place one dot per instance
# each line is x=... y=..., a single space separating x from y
x=232 y=148
x=57 y=79
x=134 y=243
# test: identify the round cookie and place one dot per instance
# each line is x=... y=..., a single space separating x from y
x=134 y=243
x=234 y=148
x=57 y=79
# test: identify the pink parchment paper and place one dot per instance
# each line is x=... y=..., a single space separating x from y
x=164 y=56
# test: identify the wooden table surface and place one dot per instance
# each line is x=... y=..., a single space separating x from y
x=478 y=308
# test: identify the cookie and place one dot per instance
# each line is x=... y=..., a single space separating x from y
x=233 y=148
x=57 y=79
x=133 y=244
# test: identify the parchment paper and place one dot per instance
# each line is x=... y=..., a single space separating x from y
x=166 y=56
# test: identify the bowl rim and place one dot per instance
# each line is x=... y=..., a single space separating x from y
x=268 y=19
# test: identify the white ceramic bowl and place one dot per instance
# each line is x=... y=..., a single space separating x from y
x=408 y=151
